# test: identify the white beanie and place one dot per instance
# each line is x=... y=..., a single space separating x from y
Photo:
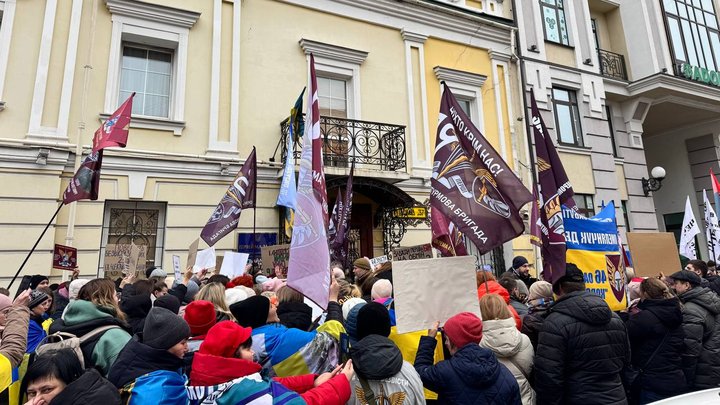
x=158 y=272
x=381 y=289
x=74 y=288
x=233 y=295
x=349 y=304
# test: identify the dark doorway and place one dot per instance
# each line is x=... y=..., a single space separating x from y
x=361 y=232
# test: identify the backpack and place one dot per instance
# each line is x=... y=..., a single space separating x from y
x=64 y=340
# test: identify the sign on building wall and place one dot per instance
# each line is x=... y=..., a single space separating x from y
x=245 y=245
x=700 y=74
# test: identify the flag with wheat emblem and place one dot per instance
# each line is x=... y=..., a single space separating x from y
x=472 y=185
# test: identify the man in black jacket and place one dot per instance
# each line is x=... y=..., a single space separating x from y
x=582 y=349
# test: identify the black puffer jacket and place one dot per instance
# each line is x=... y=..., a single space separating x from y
x=582 y=349
x=658 y=327
x=532 y=323
x=138 y=359
x=90 y=388
x=701 y=322
x=136 y=307
x=296 y=315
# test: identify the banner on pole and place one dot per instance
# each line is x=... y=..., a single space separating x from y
x=689 y=230
x=64 y=257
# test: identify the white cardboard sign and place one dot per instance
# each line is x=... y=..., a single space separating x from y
x=176 y=267
x=233 y=264
x=205 y=259
x=423 y=294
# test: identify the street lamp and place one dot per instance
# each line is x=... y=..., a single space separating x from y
x=657 y=174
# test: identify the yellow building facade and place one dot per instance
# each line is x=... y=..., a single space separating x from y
x=213 y=79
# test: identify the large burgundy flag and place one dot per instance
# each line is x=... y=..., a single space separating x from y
x=335 y=217
x=85 y=183
x=114 y=131
x=471 y=184
x=340 y=243
x=309 y=263
x=446 y=237
x=240 y=195
x=555 y=191
x=536 y=225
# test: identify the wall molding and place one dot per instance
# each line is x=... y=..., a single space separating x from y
x=334 y=52
x=153 y=12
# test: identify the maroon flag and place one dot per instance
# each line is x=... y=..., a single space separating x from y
x=318 y=170
x=85 y=183
x=536 y=225
x=240 y=195
x=114 y=131
x=339 y=243
x=471 y=184
x=555 y=190
x=64 y=257
x=446 y=238
x=335 y=218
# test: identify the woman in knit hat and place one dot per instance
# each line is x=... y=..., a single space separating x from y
x=200 y=316
x=149 y=369
x=96 y=306
x=488 y=285
x=512 y=348
x=540 y=299
x=472 y=374
x=225 y=359
x=362 y=269
x=215 y=293
x=39 y=304
x=39 y=281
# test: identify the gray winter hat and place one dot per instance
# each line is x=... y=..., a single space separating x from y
x=164 y=329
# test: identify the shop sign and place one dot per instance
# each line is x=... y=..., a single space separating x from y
x=411 y=213
x=700 y=74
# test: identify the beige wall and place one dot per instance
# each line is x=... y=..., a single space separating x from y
x=562 y=55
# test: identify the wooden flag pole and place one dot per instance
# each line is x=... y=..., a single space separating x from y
x=35 y=245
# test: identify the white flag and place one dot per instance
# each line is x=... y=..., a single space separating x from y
x=712 y=230
x=689 y=230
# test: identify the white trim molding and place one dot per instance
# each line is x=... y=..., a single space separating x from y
x=8 y=9
x=467 y=86
x=421 y=165
x=334 y=52
x=158 y=124
x=41 y=74
x=459 y=76
x=154 y=25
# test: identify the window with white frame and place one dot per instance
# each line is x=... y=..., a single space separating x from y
x=333 y=97
x=149 y=55
x=554 y=21
x=467 y=89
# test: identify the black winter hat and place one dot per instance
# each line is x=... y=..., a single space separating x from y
x=572 y=273
x=251 y=312
x=518 y=261
x=169 y=302
x=295 y=314
x=36 y=280
x=373 y=319
x=689 y=276
x=37 y=297
x=164 y=329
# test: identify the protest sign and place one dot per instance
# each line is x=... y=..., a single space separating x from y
x=233 y=264
x=122 y=259
x=423 y=297
x=64 y=257
x=277 y=255
x=413 y=252
x=653 y=252
x=176 y=268
x=205 y=260
x=245 y=245
x=375 y=261
x=192 y=253
x=592 y=245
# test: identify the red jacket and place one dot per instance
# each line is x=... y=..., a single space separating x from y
x=494 y=288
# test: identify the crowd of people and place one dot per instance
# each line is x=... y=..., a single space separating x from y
x=207 y=339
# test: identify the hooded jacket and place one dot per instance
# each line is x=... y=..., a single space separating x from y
x=296 y=315
x=379 y=361
x=493 y=287
x=582 y=349
x=136 y=308
x=90 y=388
x=471 y=376
x=101 y=351
x=658 y=326
x=701 y=359
x=14 y=335
x=513 y=350
x=156 y=375
x=532 y=322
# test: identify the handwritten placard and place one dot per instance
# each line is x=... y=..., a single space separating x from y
x=277 y=255
x=121 y=259
x=413 y=252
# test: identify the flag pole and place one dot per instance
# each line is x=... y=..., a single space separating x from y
x=35 y=245
x=254 y=239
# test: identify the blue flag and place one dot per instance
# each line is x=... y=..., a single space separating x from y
x=288 y=190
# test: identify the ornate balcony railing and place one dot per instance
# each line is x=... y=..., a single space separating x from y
x=375 y=145
x=612 y=64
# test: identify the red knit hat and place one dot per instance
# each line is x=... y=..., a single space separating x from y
x=200 y=315
x=245 y=280
x=224 y=338
x=463 y=328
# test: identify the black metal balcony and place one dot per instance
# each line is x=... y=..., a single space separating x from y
x=374 y=145
x=612 y=64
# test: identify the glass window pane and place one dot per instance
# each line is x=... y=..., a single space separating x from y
x=159 y=62
x=549 y=2
x=465 y=106
x=689 y=43
x=134 y=58
x=709 y=63
x=676 y=38
x=323 y=86
x=132 y=80
x=707 y=5
x=560 y=94
x=551 y=25
x=138 y=102
x=563 y=28
x=323 y=101
x=565 y=124
x=338 y=104
x=147 y=72
x=682 y=10
x=670 y=6
x=337 y=88
x=711 y=20
x=157 y=106
x=716 y=46
x=158 y=84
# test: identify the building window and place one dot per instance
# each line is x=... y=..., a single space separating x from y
x=139 y=223
x=585 y=204
x=608 y=113
x=553 y=15
x=148 y=73
x=693 y=29
x=467 y=89
x=567 y=116
x=333 y=97
x=626 y=217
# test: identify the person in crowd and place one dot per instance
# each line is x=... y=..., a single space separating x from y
x=472 y=374
x=701 y=323
x=225 y=368
x=58 y=378
x=582 y=349
x=39 y=281
x=149 y=369
x=512 y=348
x=347 y=291
x=14 y=323
x=337 y=270
x=96 y=306
x=159 y=289
x=349 y=304
x=292 y=311
x=381 y=291
x=351 y=319
x=380 y=370
x=200 y=316
x=540 y=298
x=488 y=285
x=284 y=351
x=136 y=303
x=245 y=280
x=364 y=279
x=511 y=284
x=235 y=294
x=38 y=305
x=219 y=278
x=384 y=271
x=73 y=290
x=712 y=268
x=155 y=274
x=169 y=302
x=520 y=270
x=215 y=293
x=657 y=344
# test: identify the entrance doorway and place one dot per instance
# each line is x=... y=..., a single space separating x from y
x=361 y=232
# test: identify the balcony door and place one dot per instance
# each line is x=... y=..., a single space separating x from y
x=333 y=100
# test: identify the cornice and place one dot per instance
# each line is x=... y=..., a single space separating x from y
x=153 y=12
x=458 y=76
x=334 y=52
